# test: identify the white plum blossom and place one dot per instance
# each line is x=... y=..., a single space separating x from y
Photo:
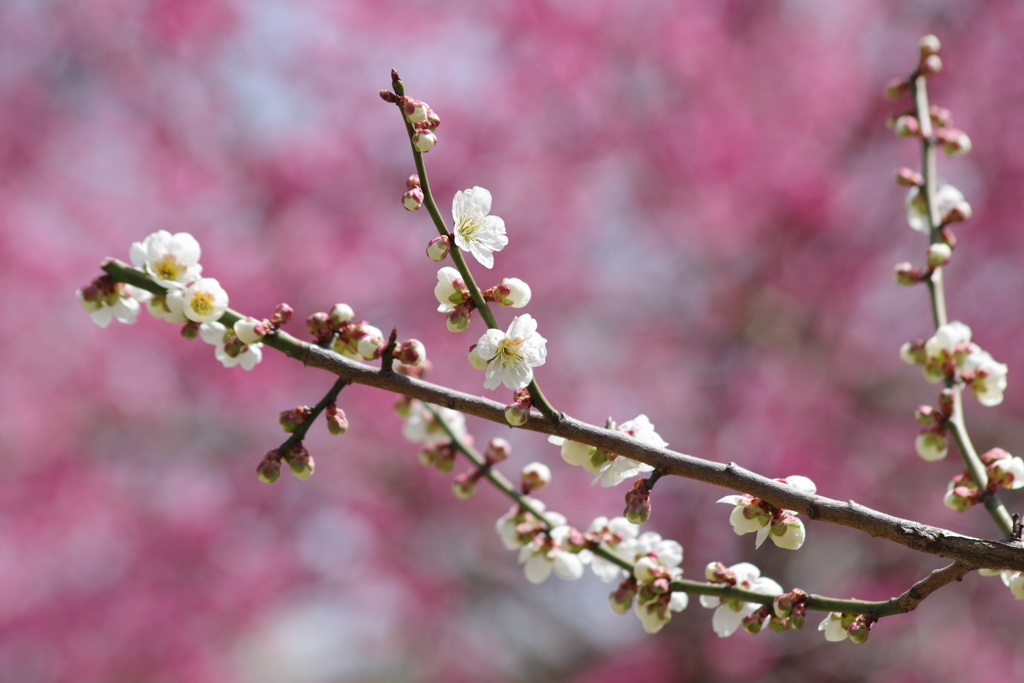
x=421 y=427
x=989 y=380
x=474 y=230
x=246 y=330
x=228 y=349
x=205 y=300
x=512 y=356
x=545 y=554
x=946 y=198
x=751 y=514
x=172 y=260
x=833 y=627
x=513 y=292
x=450 y=289
x=1015 y=582
x=612 y=533
x=656 y=565
x=654 y=614
x=729 y=614
x=609 y=468
x=517 y=527
x=948 y=340
x=931 y=445
x=121 y=303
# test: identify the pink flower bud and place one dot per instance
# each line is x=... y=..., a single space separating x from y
x=932 y=445
x=638 y=503
x=860 y=629
x=622 y=598
x=716 y=572
x=290 y=420
x=512 y=292
x=337 y=422
x=909 y=178
x=438 y=248
x=300 y=461
x=423 y=141
x=960 y=213
x=939 y=254
x=411 y=352
x=515 y=414
x=777 y=624
x=752 y=622
x=907 y=274
x=433 y=120
x=412 y=199
x=895 y=88
x=458 y=319
x=927 y=415
x=412 y=181
x=269 y=468
x=282 y=315
x=906 y=126
x=498 y=449
x=955 y=142
x=941 y=117
x=947 y=401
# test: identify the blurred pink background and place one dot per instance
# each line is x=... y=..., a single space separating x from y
x=701 y=197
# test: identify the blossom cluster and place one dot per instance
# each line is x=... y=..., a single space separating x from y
x=751 y=514
x=1003 y=470
x=730 y=615
x=609 y=468
x=950 y=354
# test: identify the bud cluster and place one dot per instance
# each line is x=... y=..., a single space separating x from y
x=1003 y=470
x=359 y=340
x=837 y=626
x=733 y=614
x=752 y=514
x=517 y=412
x=298 y=458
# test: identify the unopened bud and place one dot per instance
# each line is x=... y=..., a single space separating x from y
x=438 y=248
x=941 y=117
x=412 y=199
x=371 y=347
x=895 y=88
x=428 y=456
x=269 y=469
x=412 y=181
x=931 y=445
x=423 y=141
x=290 y=420
x=927 y=415
x=515 y=414
x=638 y=503
x=909 y=178
x=960 y=213
x=319 y=325
x=337 y=422
x=458 y=319
x=388 y=96
x=955 y=142
x=190 y=330
x=907 y=274
x=777 y=624
x=622 y=598
x=464 y=486
x=753 y=622
x=913 y=353
x=433 y=120
x=249 y=330
x=341 y=313
x=411 y=352
x=498 y=449
x=282 y=315
x=929 y=45
x=939 y=254
x=859 y=629
x=716 y=572
x=536 y=476
x=512 y=292
x=445 y=460
x=906 y=126
x=930 y=65
x=300 y=461
x=947 y=401
x=414 y=110
x=783 y=605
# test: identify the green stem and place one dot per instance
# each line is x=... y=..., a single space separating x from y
x=475 y=292
x=936 y=290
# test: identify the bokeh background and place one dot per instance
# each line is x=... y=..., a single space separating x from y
x=701 y=197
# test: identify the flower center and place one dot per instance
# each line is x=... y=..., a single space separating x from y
x=469 y=226
x=510 y=351
x=202 y=303
x=167 y=268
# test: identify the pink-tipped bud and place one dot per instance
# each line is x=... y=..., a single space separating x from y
x=947 y=401
x=290 y=420
x=913 y=353
x=388 y=96
x=319 y=325
x=895 y=88
x=337 y=422
x=411 y=352
x=412 y=181
x=498 y=449
x=638 y=503
x=716 y=572
x=929 y=45
x=445 y=460
x=932 y=444
x=906 y=127
x=464 y=486
x=515 y=414
x=412 y=200
x=799 y=616
x=927 y=415
x=282 y=315
x=250 y=330
x=512 y=292
x=909 y=178
x=438 y=248
x=930 y=65
x=941 y=117
x=371 y=347
x=860 y=629
x=300 y=461
x=960 y=213
x=269 y=468
x=433 y=120
x=458 y=319
x=423 y=141
x=414 y=110
x=939 y=254
x=955 y=142
x=753 y=622
x=341 y=313
x=535 y=477
x=907 y=274
x=190 y=330
x=777 y=624
x=621 y=599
